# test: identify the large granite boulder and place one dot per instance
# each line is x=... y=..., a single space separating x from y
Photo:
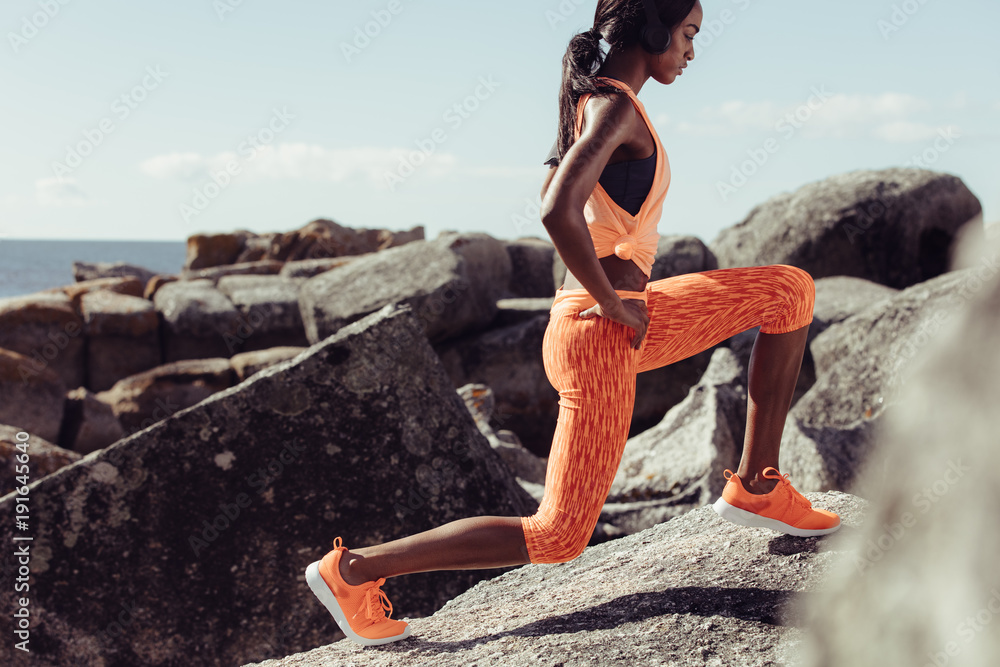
x=677 y=465
x=270 y=307
x=452 y=284
x=30 y=399
x=141 y=400
x=197 y=321
x=894 y=226
x=41 y=457
x=202 y=526
x=922 y=584
x=694 y=591
x=860 y=364
x=531 y=268
x=123 y=337
x=45 y=328
x=85 y=271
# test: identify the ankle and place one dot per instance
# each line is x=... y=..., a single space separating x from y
x=756 y=484
x=350 y=569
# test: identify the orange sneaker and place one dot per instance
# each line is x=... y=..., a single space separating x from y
x=783 y=509
x=358 y=610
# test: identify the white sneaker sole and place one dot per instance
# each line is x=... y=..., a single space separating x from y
x=320 y=589
x=744 y=518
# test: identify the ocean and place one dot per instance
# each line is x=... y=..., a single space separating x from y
x=28 y=266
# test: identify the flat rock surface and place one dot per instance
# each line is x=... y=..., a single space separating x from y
x=696 y=590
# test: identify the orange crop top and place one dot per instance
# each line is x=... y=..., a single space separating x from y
x=614 y=230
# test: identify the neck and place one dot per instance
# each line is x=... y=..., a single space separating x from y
x=627 y=66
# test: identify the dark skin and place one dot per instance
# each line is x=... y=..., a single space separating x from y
x=613 y=131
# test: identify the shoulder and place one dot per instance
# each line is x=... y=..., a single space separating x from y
x=613 y=113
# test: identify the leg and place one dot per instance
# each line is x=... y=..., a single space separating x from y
x=593 y=366
x=774 y=368
x=692 y=312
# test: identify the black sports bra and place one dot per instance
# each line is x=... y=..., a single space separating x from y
x=627 y=183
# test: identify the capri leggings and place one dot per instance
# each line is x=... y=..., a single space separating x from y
x=593 y=366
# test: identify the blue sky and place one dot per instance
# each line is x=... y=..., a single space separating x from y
x=115 y=115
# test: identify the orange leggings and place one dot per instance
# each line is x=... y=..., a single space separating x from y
x=593 y=366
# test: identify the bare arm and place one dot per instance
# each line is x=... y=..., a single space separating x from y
x=607 y=124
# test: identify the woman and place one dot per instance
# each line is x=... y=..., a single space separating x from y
x=608 y=323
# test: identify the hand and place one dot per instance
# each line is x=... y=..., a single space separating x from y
x=632 y=313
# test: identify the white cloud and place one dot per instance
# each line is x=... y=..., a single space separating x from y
x=887 y=116
x=60 y=192
x=299 y=161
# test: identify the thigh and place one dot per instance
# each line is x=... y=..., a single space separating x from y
x=695 y=311
x=592 y=365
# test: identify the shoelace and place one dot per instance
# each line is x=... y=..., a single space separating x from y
x=376 y=604
x=797 y=498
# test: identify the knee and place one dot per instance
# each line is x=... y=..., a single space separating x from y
x=798 y=283
x=555 y=542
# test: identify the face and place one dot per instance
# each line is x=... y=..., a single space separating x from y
x=669 y=65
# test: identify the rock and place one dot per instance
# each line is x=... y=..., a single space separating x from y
x=693 y=591
x=518 y=311
x=509 y=361
x=921 y=585
x=208 y=250
x=155 y=283
x=246 y=364
x=895 y=227
x=45 y=328
x=86 y=271
x=31 y=398
x=678 y=464
x=675 y=256
x=143 y=399
x=452 y=284
x=270 y=308
x=208 y=519
x=531 y=268
x=837 y=298
x=860 y=364
x=43 y=458
x=123 y=337
x=526 y=466
x=326 y=238
x=307 y=268
x=267 y=267
x=89 y=423
x=129 y=285
x=660 y=389
x=198 y=321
